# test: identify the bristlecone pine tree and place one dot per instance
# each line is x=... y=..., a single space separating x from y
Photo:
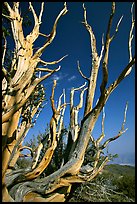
x=22 y=97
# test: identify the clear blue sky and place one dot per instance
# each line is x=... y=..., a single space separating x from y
x=73 y=39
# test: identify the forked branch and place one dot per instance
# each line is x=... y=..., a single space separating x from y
x=35 y=32
x=94 y=67
x=52 y=34
x=106 y=50
x=74 y=110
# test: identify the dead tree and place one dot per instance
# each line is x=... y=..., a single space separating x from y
x=18 y=86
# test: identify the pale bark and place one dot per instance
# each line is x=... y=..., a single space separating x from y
x=23 y=66
x=21 y=91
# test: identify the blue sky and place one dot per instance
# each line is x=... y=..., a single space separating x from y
x=73 y=39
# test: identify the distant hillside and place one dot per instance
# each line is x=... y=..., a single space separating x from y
x=120 y=169
x=125 y=159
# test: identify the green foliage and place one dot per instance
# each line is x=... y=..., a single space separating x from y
x=23 y=162
x=5 y=31
x=126 y=184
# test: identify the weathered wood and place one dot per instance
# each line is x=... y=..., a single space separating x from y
x=20 y=88
x=23 y=65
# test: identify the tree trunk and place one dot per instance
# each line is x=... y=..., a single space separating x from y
x=23 y=94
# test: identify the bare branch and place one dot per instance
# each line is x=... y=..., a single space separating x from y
x=25 y=147
x=33 y=12
x=81 y=72
x=35 y=32
x=80 y=105
x=49 y=153
x=92 y=39
x=44 y=35
x=125 y=113
x=107 y=44
x=102 y=49
x=44 y=69
x=92 y=139
x=23 y=129
x=123 y=74
x=74 y=113
x=52 y=97
x=100 y=167
x=95 y=66
x=64 y=96
x=103 y=119
x=61 y=115
x=25 y=155
x=116 y=28
x=24 y=98
x=8 y=6
x=102 y=125
x=52 y=34
x=16 y=24
x=85 y=14
x=95 y=171
x=41 y=12
x=50 y=63
x=19 y=110
x=59 y=102
x=16 y=6
x=97 y=157
x=79 y=88
x=8 y=17
x=120 y=132
x=72 y=93
x=4 y=50
x=36 y=155
x=131 y=34
x=37 y=81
